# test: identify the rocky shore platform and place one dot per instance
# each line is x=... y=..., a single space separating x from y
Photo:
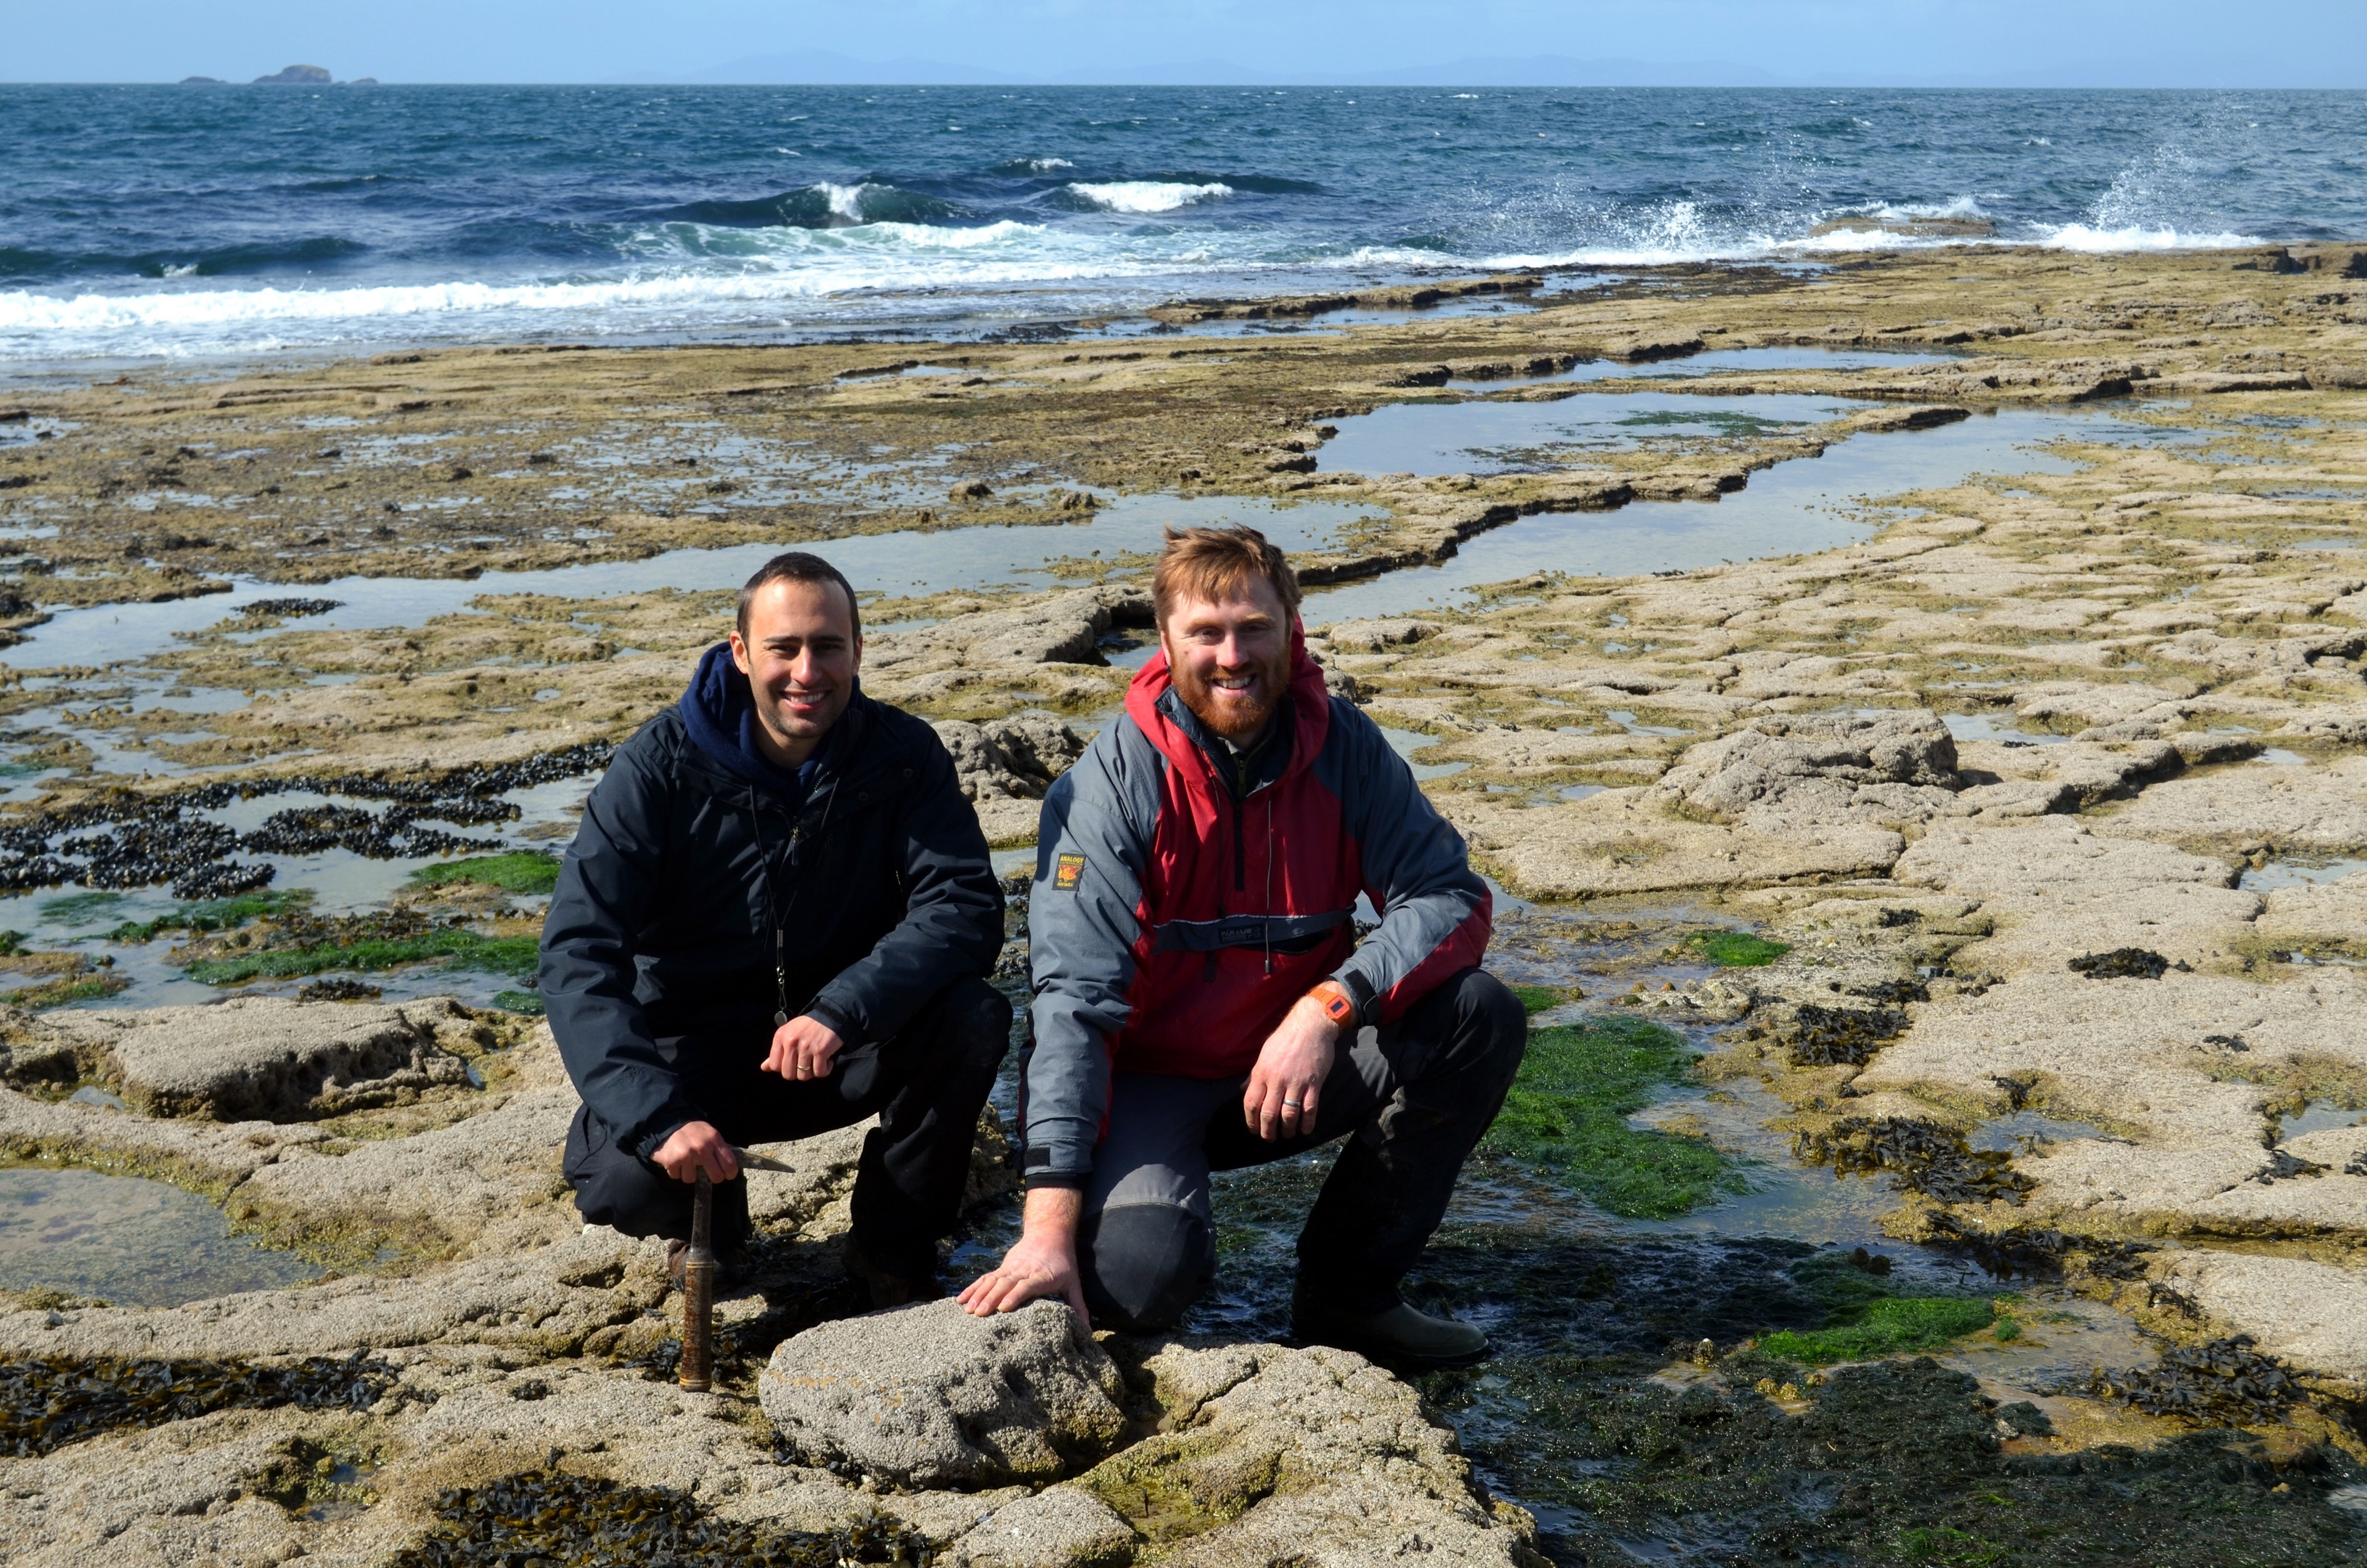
x=2007 y=860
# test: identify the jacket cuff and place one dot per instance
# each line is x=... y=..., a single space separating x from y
x=1361 y=993
x=666 y=1127
x=1042 y=1166
x=838 y=1023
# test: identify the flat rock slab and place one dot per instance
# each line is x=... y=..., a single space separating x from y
x=2304 y=809
x=267 y=1058
x=1620 y=842
x=928 y=1395
x=1059 y=1527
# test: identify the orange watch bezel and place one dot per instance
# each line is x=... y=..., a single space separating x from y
x=1338 y=1005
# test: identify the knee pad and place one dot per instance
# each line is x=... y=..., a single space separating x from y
x=1146 y=1263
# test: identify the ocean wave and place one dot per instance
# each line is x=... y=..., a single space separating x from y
x=797 y=266
x=1031 y=166
x=1148 y=196
x=262 y=257
x=823 y=206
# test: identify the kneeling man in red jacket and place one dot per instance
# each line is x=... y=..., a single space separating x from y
x=1202 y=1002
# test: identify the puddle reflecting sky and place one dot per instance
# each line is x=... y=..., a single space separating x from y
x=1723 y=361
x=128 y=1241
x=1528 y=437
x=901 y=564
x=2288 y=872
x=1806 y=505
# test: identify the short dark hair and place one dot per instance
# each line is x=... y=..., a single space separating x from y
x=798 y=566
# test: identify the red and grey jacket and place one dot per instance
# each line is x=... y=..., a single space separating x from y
x=1178 y=913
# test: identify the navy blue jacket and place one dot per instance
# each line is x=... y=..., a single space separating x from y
x=657 y=953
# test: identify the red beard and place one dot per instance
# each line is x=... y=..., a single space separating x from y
x=1231 y=720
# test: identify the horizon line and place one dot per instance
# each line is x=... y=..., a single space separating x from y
x=1857 y=86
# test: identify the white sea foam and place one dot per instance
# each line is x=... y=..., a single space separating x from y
x=1148 y=195
x=2084 y=237
x=1046 y=166
x=1962 y=207
x=684 y=276
x=845 y=201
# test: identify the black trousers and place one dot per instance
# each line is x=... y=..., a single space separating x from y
x=927 y=1085
x=1412 y=1097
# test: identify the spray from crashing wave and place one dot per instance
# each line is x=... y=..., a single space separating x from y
x=1148 y=196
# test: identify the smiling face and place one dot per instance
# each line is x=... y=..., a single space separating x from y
x=800 y=653
x=1230 y=657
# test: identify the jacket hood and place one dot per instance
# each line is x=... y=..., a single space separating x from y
x=1310 y=708
x=719 y=711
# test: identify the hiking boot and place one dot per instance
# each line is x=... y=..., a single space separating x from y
x=886 y=1291
x=1399 y=1337
x=732 y=1265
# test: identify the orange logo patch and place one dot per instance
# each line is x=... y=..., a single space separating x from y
x=1066 y=873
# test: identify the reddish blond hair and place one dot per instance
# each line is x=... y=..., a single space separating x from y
x=1216 y=564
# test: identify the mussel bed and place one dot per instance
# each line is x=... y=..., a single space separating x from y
x=48 y=1401
x=572 y=1521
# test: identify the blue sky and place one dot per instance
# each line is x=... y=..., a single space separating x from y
x=1906 y=42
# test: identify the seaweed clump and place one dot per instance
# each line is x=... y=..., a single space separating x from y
x=1930 y=1160
x=2226 y=1382
x=1896 y=1461
x=2122 y=963
x=124 y=839
x=558 y=1520
x=1820 y=1036
x=50 y=1401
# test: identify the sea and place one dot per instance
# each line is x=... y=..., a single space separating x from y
x=198 y=222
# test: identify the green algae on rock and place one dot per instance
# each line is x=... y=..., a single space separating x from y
x=1737 y=949
x=1892 y=1325
x=525 y=870
x=1567 y=1115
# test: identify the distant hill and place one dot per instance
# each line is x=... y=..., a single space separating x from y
x=296 y=76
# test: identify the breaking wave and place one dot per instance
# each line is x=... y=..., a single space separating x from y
x=1146 y=195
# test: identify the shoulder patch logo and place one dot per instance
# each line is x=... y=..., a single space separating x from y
x=1067 y=871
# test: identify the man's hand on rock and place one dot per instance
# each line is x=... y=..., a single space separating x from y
x=695 y=1145
x=803 y=1049
x=1042 y=1265
x=1291 y=1067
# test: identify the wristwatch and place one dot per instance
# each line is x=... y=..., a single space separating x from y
x=1336 y=1004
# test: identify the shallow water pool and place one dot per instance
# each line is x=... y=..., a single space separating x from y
x=910 y=563
x=1810 y=504
x=1490 y=437
x=128 y=1241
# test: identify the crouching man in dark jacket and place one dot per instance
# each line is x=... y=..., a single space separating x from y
x=777 y=919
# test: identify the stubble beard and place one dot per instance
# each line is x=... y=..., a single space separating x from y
x=782 y=722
